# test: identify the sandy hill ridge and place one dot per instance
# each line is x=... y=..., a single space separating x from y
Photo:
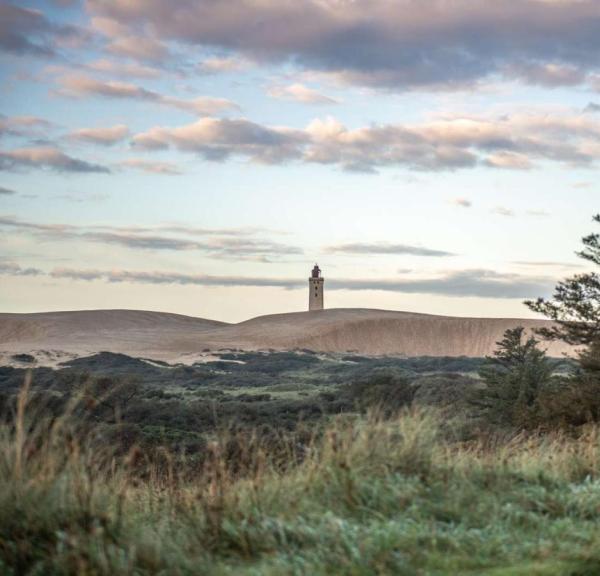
x=174 y=337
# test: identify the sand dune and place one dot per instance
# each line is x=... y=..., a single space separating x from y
x=174 y=337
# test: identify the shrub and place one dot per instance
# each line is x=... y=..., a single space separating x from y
x=24 y=358
x=383 y=391
x=569 y=402
x=514 y=377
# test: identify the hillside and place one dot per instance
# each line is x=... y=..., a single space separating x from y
x=174 y=337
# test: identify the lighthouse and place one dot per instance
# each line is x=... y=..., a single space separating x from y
x=315 y=289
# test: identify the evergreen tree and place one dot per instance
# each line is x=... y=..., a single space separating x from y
x=514 y=376
x=589 y=360
x=575 y=306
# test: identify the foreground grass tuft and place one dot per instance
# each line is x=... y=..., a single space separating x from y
x=370 y=496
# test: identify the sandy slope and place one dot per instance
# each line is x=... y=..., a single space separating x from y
x=54 y=336
x=174 y=337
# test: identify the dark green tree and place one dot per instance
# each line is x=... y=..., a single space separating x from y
x=575 y=305
x=514 y=376
x=589 y=359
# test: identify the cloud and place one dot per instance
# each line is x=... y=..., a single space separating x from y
x=78 y=85
x=144 y=242
x=406 y=44
x=538 y=213
x=126 y=69
x=12 y=222
x=463 y=202
x=546 y=264
x=12 y=269
x=81 y=85
x=228 y=248
x=300 y=93
x=202 y=106
x=140 y=277
x=386 y=248
x=594 y=82
x=152 y=167
x=6 y=191
x=73 y=274
x=252 y=249
x=22 y=125
x=218 y=139
x=109 y=27
x=222 y=65
x=139 y=47
x=510 y=160
x=503 y=211
x=28 y=31
x=46 y=157
x=448 y=143
x=126 y=41
x=82 y=198
x=592 y=107
x=104 y=136
x=549 y=75
x=465 y=283
x=231 y=244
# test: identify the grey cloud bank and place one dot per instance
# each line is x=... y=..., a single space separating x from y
x=465 y=283
x=12 y=269
x=28 y=31
x=172 y=278
x=232 y=244
x=402 y=44
x=17 y=223
x=385 y=248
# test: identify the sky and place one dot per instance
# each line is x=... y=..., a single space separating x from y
x=199 y=156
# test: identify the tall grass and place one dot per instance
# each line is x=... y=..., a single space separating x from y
x=369 y=496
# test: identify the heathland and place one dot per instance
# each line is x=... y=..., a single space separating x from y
x=321 y=456
x=291 y=463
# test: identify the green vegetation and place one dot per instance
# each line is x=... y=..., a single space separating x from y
x=515 y=377
x=368 y=496
x=182 y=407
x=393 y=471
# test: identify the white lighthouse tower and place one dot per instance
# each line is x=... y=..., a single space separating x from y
x=315 y=289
